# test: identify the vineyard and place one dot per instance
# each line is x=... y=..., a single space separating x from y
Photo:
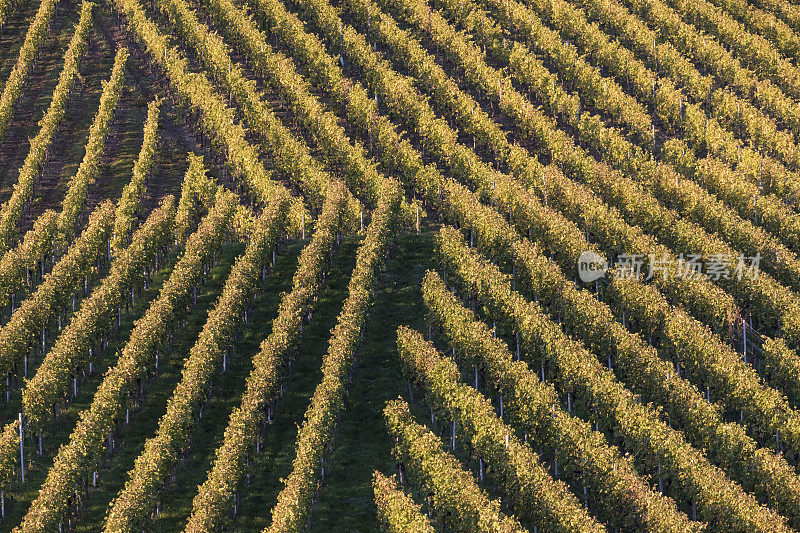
x=404 y=266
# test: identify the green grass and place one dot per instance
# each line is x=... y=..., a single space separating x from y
x=36 y=467
x=207 y=436
x=353 y=458
x=144 y=421
x=361 y=444
x=275 y=462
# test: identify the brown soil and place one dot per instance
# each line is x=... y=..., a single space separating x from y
x=38 y=92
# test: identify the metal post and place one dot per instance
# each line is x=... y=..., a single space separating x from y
x=744 y=341
x=21 y=450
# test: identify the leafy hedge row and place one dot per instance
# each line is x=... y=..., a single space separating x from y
x=396 y=510
x=735 y=113
x=534 y=495
x=133 y=191
x=691 y=129
x=135 y=502
x=72 y=348
x=775 y=304
x=752 y=49
x=53 y=232
x=17 y=264
x=294 y=501
x=762 y=22
x=562 y=237
x=96 y=314
x=456 y=496
x=626 y=498
x=783 y=9
x=719 y=501
x=35 y=313
x=78 y=187
x=76 y=459
x=215 y=497
x=289 y=154
x=197 y=197
x=705 y=359
x=35 y=38
x=694 y=43
x=360 y=172
x=207 y=109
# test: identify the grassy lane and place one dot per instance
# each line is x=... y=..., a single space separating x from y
x=145 y=420
x=275 y=461
x=362 y=443
x=226 y=393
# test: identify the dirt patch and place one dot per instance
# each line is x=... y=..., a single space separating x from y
x=176 y=139
x=38 y=91
x=69 y=145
